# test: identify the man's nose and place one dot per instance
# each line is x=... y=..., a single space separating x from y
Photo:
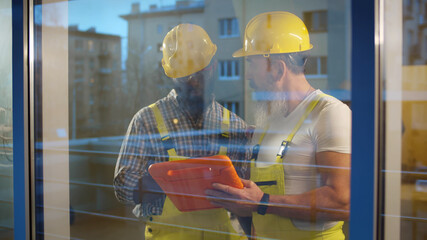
x=196 y=81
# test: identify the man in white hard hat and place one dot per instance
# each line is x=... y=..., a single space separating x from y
x=299 y=185
x=186 y=123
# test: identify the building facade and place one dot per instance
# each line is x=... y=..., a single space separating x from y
x=95 y=83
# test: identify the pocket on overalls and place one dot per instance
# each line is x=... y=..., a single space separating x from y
x=267 y=186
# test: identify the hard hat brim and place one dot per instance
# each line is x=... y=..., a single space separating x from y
x=242 y=53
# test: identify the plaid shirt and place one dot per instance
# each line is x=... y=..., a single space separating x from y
x=142 y=145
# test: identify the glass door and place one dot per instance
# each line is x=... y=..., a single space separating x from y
x=404 y=74
x=100 y=65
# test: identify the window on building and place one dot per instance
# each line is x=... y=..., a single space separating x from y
x=79 y=67
x=78 y=44
x=79 y=70
x=104 y=47
x=123 y=75
x=228 y=27
x=229 y=70
x=316 y=21
x=316 y=67
x=92 y=64
x=90 y=46
x=232 y=106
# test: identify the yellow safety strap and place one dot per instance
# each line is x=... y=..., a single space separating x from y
x=225 y=126
x=164 y=134
x=263 y=135
x=288 y=140
x=257 y=146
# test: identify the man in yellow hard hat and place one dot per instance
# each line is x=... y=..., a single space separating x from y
x=299 y=185
x=186 y=123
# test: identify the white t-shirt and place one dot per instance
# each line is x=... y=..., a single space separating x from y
x=327 y=128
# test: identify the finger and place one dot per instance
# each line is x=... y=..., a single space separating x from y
x=217 y=195
x=219 y=186
x=246 y=183
x=227 y=189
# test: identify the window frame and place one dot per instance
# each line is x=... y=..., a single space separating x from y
x=309 y=22
x=319 y=66
x=365 y=94
x=23 y=200
x=223 y=65
x=232 y=106
x=223 y=27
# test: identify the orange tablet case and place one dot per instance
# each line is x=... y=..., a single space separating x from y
x=185 y=181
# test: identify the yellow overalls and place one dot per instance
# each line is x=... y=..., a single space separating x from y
x=176 y=225
x=271 y=180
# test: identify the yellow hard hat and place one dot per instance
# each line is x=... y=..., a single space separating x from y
x=273 y=33
x=187 y=49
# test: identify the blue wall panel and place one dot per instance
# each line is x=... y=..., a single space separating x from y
x=362 y=212
x=20 y=190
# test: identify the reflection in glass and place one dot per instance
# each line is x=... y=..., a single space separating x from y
x=100 y=62
x=414 y=120
x=6 y=153
x=405 y=129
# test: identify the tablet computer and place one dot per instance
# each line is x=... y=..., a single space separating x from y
x=185 y=181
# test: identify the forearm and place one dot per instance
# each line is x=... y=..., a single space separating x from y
x=125 y=184
x=323 y=203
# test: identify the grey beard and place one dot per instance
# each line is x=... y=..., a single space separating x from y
x=267 y=109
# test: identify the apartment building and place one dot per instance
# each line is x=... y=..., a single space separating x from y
x=95 y=83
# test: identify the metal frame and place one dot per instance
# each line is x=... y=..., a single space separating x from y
x=366 y=93
x=31 y=59
x=20 y=63
x=380 y=118
x=365 y=106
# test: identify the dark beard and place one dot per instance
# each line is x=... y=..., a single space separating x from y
x=195 y=105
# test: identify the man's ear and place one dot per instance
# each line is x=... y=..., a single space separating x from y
x=279 y=69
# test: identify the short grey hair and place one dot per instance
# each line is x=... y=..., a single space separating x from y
x=294 y=61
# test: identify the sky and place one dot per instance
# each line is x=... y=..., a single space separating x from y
x=104 y=15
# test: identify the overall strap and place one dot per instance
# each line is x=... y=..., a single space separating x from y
x=288 y=140
x=164 y=134
x=225 y=131
x=255 y=149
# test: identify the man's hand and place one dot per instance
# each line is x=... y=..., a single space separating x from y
x=241 y=202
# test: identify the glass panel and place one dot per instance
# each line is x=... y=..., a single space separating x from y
x=111 y=164
x=6 y=153
x=312 y=66
x=404 y=171
x=323 y=65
